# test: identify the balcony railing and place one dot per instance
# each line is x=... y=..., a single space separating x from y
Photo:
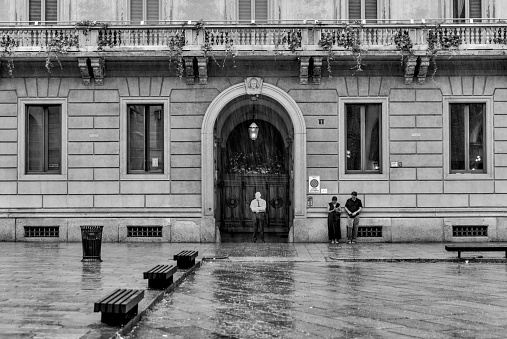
x=247 y=39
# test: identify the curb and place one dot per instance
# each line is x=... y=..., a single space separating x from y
x=125 y=329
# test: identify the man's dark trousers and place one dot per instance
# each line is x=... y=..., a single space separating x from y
x=258 y=221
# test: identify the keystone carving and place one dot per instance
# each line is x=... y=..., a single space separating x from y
x=253 y=85
x=303 y=70
x=410 y=69
x=424 y=63
x=189 y=69
x=85 y=72
x=317 y=70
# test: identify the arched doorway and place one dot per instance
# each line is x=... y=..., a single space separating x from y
x=245 y=166
x=292 y=116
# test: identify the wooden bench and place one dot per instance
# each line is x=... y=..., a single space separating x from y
x=476 y=248
x=160 y=276
x=185 y=259
x=119 y=307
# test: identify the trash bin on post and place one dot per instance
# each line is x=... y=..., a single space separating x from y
x=91 y=237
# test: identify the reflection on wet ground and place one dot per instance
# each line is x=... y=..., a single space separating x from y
x=226 y=299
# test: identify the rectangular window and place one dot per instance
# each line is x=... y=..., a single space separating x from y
x=465 y=9
x=144 y=10
x=363 y=138
x=467 y=138
x=145 y=143
x=43 y=139
x=43 y=10
x=253 y=10
x=362 y=9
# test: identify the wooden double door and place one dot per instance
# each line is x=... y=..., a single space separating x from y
x=236 y=191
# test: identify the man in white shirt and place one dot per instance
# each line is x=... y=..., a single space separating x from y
x=258 y=207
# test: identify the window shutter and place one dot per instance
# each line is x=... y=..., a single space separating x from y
x=354 y=9
x=245 y=10
x=136 y=11
x=261 y=11
x=475 y=9
x=35 y=139
x=153 y=10
x=370 y=9
x=51 y=10
x=34 y=10
x=54 y=139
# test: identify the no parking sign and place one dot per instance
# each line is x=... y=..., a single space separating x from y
x=314 y=184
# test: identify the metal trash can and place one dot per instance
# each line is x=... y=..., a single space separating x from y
x=91 y=237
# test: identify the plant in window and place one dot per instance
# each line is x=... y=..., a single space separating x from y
x=404 y=44
x=7 y=43
x=59 y=45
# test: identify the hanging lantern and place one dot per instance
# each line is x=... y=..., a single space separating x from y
x=253 y=131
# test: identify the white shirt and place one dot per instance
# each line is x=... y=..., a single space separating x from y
x=258 y=205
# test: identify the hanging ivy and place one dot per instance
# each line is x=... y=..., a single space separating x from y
x=176 y=44
x=439 y=40
x=404 y=44
x=207 y=46
x=350 y=38
x=327 y=42
x=57 y=46
x=7 y=43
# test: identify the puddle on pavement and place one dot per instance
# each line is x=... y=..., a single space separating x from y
x=322 y=300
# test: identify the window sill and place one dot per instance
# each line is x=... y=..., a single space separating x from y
x=364 y=176
x=145 y=176
x=41 y=177
x=468 y=176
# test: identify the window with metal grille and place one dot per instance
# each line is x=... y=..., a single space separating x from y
x=253 y=10
x=42 y=231
x=144 y=231
x=470 y=231
x=43 y=10
x=144 y=10
x=362 y=9
x=369 y=231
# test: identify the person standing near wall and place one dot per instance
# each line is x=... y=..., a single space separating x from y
x=353 y=207
x=333 y=221
x=258 y=207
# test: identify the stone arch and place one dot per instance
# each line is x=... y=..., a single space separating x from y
x=291 y=108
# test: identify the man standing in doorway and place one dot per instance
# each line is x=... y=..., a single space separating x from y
x=258 y=207
x=353 y=207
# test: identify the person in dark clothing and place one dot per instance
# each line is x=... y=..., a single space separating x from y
x=353 y=207
x=333 y=221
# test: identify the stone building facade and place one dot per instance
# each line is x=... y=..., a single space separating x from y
x=134 y=131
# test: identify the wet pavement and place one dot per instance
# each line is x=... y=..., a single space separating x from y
x=260 y=291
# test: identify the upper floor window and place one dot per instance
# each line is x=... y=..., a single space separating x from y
x=362 y=9
x=253 y=10
x=363 y=138
x=467 y=137
x=43 y=10
x=465 y=9
x=144 y=10
x=145 y=143
x=43 y=139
